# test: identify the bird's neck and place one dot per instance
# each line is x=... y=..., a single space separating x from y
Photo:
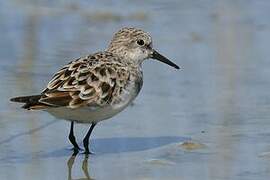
x=125 y=57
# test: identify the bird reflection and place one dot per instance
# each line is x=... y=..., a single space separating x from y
x=70 y=164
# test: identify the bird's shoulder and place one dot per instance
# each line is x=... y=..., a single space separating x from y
x=91 y=80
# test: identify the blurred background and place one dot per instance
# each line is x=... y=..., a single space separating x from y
x=209 y=120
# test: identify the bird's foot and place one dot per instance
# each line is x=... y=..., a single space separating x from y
x=75 y=149
x=87 y=152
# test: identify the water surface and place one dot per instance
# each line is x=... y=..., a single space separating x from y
x=219 y=100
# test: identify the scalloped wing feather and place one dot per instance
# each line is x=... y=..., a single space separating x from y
x=93 y=80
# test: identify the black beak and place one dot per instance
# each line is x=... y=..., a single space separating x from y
x=159 y=57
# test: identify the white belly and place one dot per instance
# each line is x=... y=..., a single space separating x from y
x=85 y=114
x=95 y=114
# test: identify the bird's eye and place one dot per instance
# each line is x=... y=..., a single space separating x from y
x=140 y=42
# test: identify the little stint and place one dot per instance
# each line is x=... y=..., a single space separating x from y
x=98 y=86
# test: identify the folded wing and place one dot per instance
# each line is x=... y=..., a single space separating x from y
x=93 y=80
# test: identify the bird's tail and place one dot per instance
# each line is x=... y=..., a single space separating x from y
x=31 y=102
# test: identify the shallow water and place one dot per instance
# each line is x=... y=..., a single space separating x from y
x=210 y=120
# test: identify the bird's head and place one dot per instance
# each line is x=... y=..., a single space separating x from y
x=136 y=45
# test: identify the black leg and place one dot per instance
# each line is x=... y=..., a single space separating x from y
x=72 y=138
x=86 y=139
